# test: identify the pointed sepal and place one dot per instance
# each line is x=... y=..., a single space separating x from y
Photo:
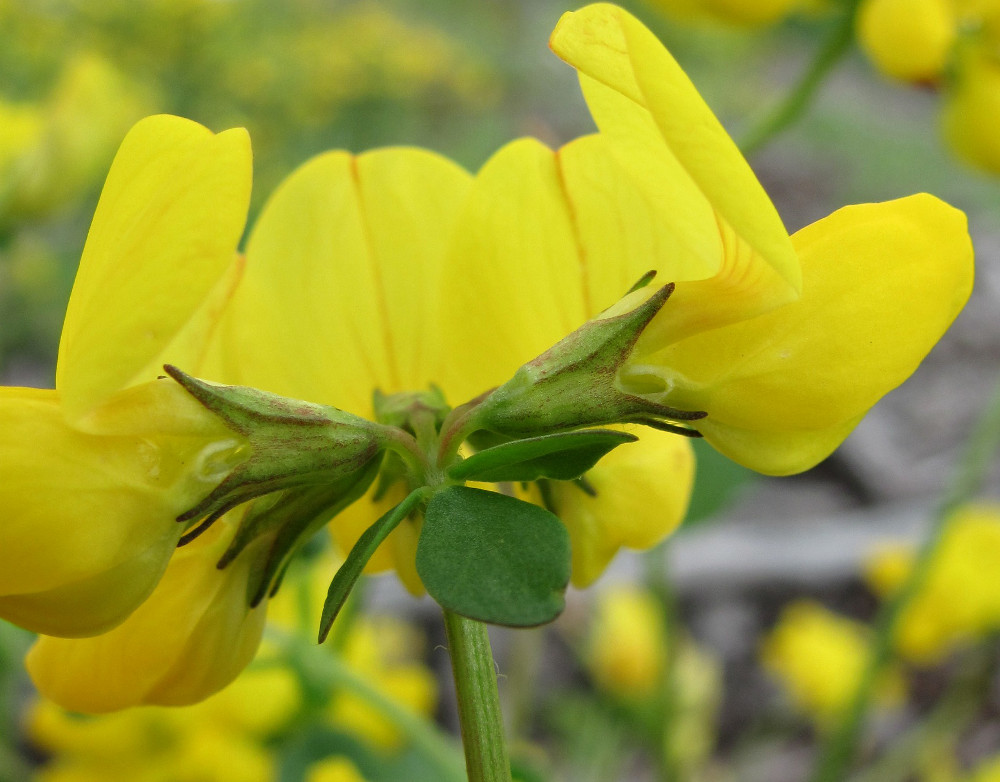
x=574 y=383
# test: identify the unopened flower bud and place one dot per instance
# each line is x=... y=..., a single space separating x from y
x=288 y=444
x=575 y=383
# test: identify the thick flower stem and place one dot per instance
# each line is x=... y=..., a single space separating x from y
x=840 y=747
x=478 y=700
x=801 y=96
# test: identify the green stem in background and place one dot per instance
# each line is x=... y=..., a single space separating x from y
x=478 y=700
x=839 y=749
x=802 y=94
x=327 y=672
x=938 y=732
x=658 y=578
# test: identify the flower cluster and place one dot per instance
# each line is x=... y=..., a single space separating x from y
x=934 y=623
x=369 y=279
x=951 y=43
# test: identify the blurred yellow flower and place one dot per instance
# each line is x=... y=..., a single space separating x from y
x=64 y=142
x=818 y=657
x=908 y=39
x=987 y=771
x=626 y=649
x=334 y=769
x=220 y=739
x=955 y=43
x=959 y=600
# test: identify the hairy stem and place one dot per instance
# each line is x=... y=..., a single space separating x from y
x=478 y=700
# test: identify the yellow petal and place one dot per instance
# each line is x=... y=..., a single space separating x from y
x=642 y=493
x=342 y=268
x=908 y=39
x=88 y=520
x=512 y=285
x=189 y=639
x=165 y=231
x=676 y=151
x=882 y=283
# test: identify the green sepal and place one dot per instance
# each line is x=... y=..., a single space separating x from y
x=287 y=523
x=288 y=443
x=349 y=573
x=573 y=385
x=562 y=457
x=493 y=558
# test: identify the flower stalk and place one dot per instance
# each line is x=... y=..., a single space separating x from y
x=472 y=664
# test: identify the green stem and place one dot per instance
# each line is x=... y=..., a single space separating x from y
x=802 y=94
x=328 y=673
x=935 y=734
x=478 y=700
x=658 y=578
x=839 y=749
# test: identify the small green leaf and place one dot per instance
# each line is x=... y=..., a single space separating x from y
x=493 y=558
x=345 y=578
x=562 y=457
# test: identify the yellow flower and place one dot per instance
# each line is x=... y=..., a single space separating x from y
x=964 y=564
x=627 y=647
x=334 y=769
x=819 y=657
x=96 y=471
x=987 y=771
x=190 y=638
x=222 y=738
x=75 y=131
x=415 y=274
x=908 y=39
x=972 y=106
x=784 y=341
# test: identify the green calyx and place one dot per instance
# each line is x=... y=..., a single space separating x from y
x=574 y=383
x=312 y=453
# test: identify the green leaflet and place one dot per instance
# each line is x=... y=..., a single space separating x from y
x=493 y=558
x=562 y=457
x=345 y=578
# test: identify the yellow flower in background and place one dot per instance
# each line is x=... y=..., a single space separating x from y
x=627 y=645
x=972 y=106
x=74 y=132
x=627 y=654
x=818 y=657
x=959 y=600
x=986 y=771
x=954 y=43
x=222 y=738
x=909 y=40
x=334 y=769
